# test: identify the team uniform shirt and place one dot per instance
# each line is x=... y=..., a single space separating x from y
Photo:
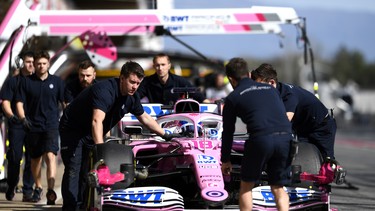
x=72 y=89
x=42 y=99
x=17 y=140
x=104 y=95
x=308 y=110
x=8 y=92
x=259 y=106
x=311 y=121
x=76 y=132
x=159 y=93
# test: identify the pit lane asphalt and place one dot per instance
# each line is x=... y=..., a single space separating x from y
x=356 y=152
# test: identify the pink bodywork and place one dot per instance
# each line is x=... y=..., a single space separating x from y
x=200 y=152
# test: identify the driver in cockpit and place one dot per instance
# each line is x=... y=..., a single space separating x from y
x=187 y=130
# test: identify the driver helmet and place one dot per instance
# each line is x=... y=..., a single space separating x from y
x=187 y=130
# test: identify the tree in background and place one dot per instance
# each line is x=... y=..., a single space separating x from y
x=351 y=65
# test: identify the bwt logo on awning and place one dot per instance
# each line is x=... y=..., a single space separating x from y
x=176 y=18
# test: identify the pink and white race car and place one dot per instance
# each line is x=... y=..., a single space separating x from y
x=141 y=171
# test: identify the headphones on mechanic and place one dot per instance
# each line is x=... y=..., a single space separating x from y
x=19 y=61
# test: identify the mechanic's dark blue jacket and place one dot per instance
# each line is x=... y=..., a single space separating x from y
x=259 y=106
x=72 y=89
x=159 y=93
x=42 y=100
x=9 y=92
x=104 y=95
x=308 y=110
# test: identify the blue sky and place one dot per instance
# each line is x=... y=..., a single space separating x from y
x=330 y=24
x=345 y=5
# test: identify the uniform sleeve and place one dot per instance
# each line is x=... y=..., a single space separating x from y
x=101 y=99
x=229 y=121
x=290 y=101
x=7 y=92
x=21 y=92
x=137 y=108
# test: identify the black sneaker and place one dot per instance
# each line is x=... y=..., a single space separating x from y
x=51 y=197
x=37 y=195
x=9 y=195
x=27 y=198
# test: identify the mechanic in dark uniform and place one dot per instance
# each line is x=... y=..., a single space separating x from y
x=16 y=133
x=157 y=87
x=311 y=120
x=91 y=115
x=260 y=107
x=43 y=94
x=86 y=78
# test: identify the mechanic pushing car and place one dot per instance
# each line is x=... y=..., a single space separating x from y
x=311 y=120
x=260 y=107
x=91 y=115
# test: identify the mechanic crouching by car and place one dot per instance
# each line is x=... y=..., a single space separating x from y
x=91 y=115
x=259 y=106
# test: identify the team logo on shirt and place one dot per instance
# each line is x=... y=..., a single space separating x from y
x=291 y=86
x=51 y=86
x=255 y=88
